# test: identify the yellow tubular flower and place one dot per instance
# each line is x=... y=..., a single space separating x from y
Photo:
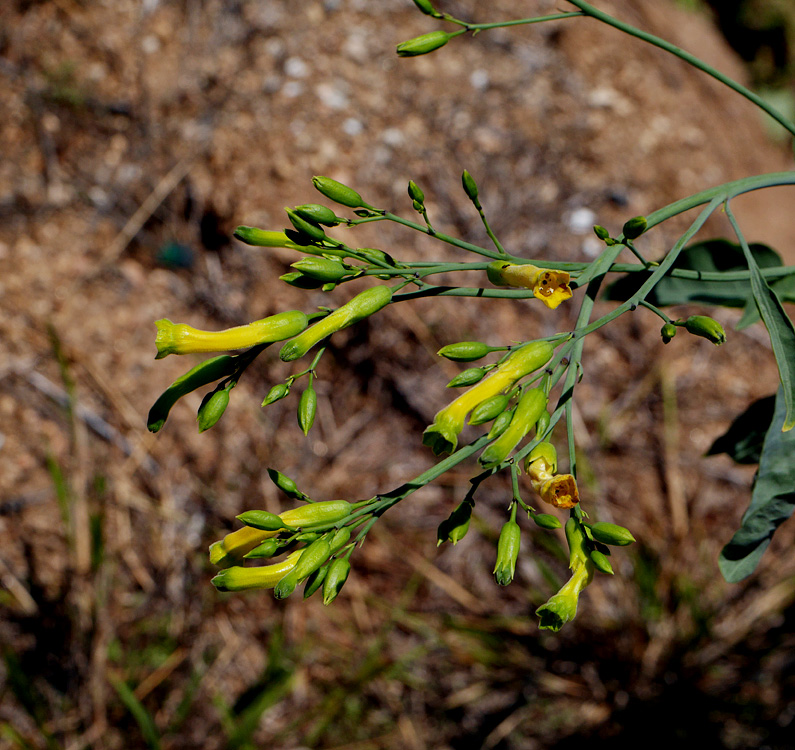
x=233 y=546
x=179 y=338
x=442 y=435
x=265 y=577
x=551 y=287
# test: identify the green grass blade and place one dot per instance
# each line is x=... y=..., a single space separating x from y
x=140 y=714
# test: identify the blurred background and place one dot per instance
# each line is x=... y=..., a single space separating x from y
x=136 y=134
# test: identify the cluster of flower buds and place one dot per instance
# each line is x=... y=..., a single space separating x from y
x=442 y=435
x=322 y=561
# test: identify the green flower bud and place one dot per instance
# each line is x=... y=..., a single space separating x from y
x=312 y=558
x=501 y=423
x=468 y=377
x=309 y=228
x=610 y=533
x=285 y=484
x=317 y=514
x=634 y=228
x=338 y=192
x=307 y=406
x=426 y=7
x=415 y=193
x=286 y=585
x=261 y=519
x=212 y=408
x=418 y=207
x=600 y=562
x=422 y=45
x=300 y=280
x=203 y=374
x=454 y=528
x=489 y=409
x=318 y=214
x=268 y=548
x=335 y=579
x=339 y=540
x=601 y=232
x=266 y=238
x=668 y=331
x=708 y=328
x=322 y=269
x=307 y=536
x=543 y=423
x=375 y=255
x=546 y=521
x=277 y=393
x=361 y=306
x=470 y=187
x=315 y=581
x=507 y=553
x=465 y=351
x=532 y=402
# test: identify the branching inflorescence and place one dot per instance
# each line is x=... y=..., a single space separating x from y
x=528 y=388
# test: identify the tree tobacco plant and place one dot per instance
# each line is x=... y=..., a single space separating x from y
x=518 y=393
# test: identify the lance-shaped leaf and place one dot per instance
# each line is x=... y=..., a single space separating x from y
x=772 y=501
x=777 y=322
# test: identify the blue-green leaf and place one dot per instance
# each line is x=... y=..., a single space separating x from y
x=772 y=500
x=745 y=437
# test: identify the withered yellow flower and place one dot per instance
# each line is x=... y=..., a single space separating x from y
x=551 y=287
x=558 y=490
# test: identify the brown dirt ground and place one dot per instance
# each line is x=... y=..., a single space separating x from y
x=130 y=126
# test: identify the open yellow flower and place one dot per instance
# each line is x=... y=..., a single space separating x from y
x=551 y=287
x=558 y=490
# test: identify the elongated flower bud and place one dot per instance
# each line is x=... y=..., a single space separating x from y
x=286 y=584
x=507 y=553
x=265 y=577
x=267 y=238
x=489 y=409
x=468 y=377
x=277 y=393
x=178 y=338
x=307 y=406
x=269 y=548
x=361 y=306
x=315 y=580
x=422 y=45
x=454 y=528
x=212 y=409
x=322 y=269
x=301 y=280
x=442 y=435
x=236 y=544
x=528 y=410
x=317 y=514
x=318 y=214
x=634 y=228
x=335 y=579
x=543 y=423
x=601 y=232
x=610 y=533
x=338 y=192
x=308 y=228
x=470 y=187
x=415 y=193
x=551 y=287
x=501 y=423
x=465 y=351
x=203 y=374
x=426 y=7
x=312 y=558
x=263 y=520
x=285 y=484
x=601 y=562
x=706 y=327
x=546 y=521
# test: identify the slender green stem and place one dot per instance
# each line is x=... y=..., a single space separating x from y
x=519 y=22
x=655 y=310
x=599 y=15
